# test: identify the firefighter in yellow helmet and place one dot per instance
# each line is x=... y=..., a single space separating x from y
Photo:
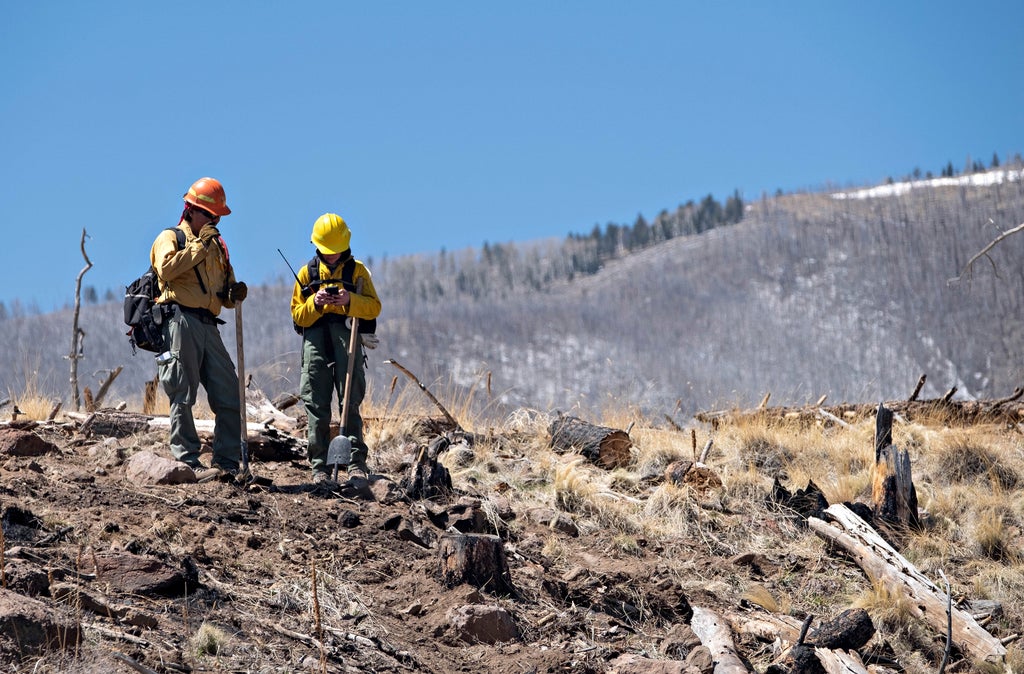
x=324 y=299
x=196 y=281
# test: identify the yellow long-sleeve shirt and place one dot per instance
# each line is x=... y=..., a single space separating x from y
x=365 y=305
x=178 y=280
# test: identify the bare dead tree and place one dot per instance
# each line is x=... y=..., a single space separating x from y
x=77 y=334
x=968 y=268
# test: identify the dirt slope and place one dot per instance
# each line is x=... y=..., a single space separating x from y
x=235 y=568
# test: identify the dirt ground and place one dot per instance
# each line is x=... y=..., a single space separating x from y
x=250 y=554
x=282 y=575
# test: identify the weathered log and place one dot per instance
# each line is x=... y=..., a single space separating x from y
x=767 y=626
x=892 y=485
x=475 y=559
x=285 y=400
x=885 y=566
x=259 y=408
x=840 y=662
x=606 y=447
x=714 y=633
x=267 y=444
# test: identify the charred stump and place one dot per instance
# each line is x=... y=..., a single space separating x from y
x=427 y=476
x=475 y=559
x=606 y=447
x=892 y=485
x=850 y=630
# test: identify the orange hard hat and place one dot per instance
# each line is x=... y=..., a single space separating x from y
x=208 y=194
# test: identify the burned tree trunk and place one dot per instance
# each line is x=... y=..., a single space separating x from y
x=892 y=491
x=427 y=476
x=606 y=447
x=475 y=559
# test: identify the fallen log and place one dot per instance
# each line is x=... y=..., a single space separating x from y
x=259 y=408
x=714 y=633
x=606 y=447
x=265 y=443
x=884 y=565
x=840 y=662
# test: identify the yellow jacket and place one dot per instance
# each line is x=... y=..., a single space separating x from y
x=175 y=269
x=365 y=305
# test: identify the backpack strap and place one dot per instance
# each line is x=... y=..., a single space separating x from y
x=179 y=236
x=313 y=271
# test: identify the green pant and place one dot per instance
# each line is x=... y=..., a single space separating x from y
x=324 y=365
x=198 y=357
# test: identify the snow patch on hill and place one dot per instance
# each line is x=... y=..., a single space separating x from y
x=988 y=178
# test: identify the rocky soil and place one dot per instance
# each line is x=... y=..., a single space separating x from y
x=115 y=561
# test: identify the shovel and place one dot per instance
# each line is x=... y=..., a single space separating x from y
x=341 y=446
x=244 y=476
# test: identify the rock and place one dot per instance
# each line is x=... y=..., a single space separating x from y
x=679 y=641
x=139 y=575
x=28 y=626
x=701 y=660
x=26 y=578
x=108 y=454
x=146 y=467
x=554 y=520
x=349 y=519
x=14 y=442
x=385 y=491
x=482 y=623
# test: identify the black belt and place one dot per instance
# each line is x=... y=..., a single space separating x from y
x=205 y=315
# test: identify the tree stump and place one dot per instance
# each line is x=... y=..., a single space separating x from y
x=475 y=559
x=606 y=447
x=892 y=485
x=427 y=477
x=850 y=630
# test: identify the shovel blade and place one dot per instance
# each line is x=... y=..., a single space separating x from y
x=339 y=452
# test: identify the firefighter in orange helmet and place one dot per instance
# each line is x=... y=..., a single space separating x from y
x=196 y=281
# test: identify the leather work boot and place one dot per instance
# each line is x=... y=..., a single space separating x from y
x=207 y=474
x=359 y=470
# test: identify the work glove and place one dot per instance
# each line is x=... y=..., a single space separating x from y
x=238 y=292
x=370 y=340
x=208 y=233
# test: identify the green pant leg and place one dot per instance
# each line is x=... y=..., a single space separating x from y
x=218 y=376
x=316 y=388
x=179 y=378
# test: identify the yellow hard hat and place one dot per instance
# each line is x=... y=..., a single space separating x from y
x=330 y=234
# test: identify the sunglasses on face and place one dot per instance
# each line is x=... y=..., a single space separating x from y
x=209 y=216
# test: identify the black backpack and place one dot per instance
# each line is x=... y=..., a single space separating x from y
x=142 y=314
x=367 y=326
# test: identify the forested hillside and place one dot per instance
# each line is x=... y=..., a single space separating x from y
x=827 y=293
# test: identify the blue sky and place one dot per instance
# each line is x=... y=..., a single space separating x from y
x=432 y=125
